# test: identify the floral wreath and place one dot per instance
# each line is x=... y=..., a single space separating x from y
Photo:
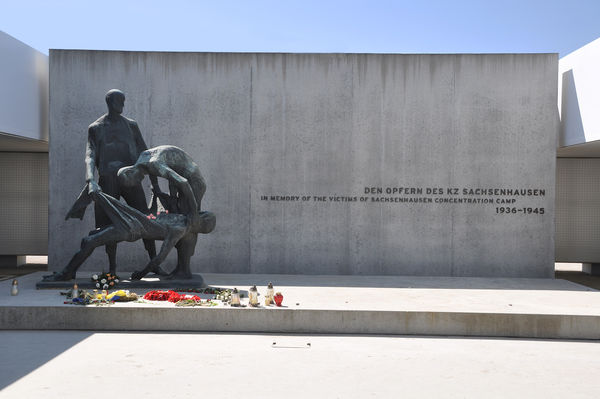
x=105 y=281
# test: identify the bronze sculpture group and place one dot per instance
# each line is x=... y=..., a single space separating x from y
x=116 y=149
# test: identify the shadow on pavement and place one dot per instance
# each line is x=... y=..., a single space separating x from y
x=25 y=351
x=6 y=273
x=412 y=282
x=580 y=278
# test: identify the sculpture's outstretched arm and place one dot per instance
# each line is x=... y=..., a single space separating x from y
x=141 y=147
x=183 y=186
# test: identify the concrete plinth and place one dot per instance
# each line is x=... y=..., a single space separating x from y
x=499 y=307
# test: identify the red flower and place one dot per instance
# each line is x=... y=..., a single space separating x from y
x=157 y=295
x=170 y=296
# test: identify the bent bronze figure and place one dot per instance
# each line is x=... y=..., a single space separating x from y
x=129 y=224
x=177 y=228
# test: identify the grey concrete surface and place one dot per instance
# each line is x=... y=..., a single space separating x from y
x=532 y=308
x=24 y=199
x=592 y=268
x=268 y=130
x=11 y=261
x=577 y=205
x=61 y=364
x=24 y=95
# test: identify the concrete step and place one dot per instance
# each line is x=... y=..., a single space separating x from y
x=494 y=307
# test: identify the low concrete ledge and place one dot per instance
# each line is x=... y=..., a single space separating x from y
x=305 y=321
x=496 y=307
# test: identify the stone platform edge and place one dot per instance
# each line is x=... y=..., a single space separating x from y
x=302 y=321
x=125 y=284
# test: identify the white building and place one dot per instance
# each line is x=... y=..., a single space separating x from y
x=578 y=163
x=23 y=151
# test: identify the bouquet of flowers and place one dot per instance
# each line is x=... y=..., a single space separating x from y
x=105 y=281
x=83 y=297
x=122 y=296
x=170 y=296
x=177 y=298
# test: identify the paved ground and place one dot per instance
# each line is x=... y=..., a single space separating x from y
x=144 y=365
x=9 y=273
x=190 y=365
x=573 y=272
x=579 y=278
x=34 y=264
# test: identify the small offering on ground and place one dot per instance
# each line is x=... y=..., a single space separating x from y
x=105 y=281
x=253 y=296
x=278 y=298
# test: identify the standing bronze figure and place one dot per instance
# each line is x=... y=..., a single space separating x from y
x=114 y=142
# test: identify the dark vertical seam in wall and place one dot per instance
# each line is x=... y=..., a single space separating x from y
x=354 y=257
x=557 y=135
x=49 y=193
x=382 y=136
x=452 y=172
x=250 y=173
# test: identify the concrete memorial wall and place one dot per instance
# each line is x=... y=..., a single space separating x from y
x=331 y=163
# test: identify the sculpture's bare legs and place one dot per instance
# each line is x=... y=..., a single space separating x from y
x=167 y=246
x=111 y=251
x=109 y=235
x=151 y=249
x=185 y=250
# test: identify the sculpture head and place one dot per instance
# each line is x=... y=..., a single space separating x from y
x=205 y=223
x=130 y=175
x=115 y=100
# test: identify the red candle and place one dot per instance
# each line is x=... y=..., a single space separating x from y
x=278 y=299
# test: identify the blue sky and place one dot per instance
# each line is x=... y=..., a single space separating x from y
x=305 y=26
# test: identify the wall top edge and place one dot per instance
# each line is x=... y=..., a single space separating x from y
x=296 y=53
